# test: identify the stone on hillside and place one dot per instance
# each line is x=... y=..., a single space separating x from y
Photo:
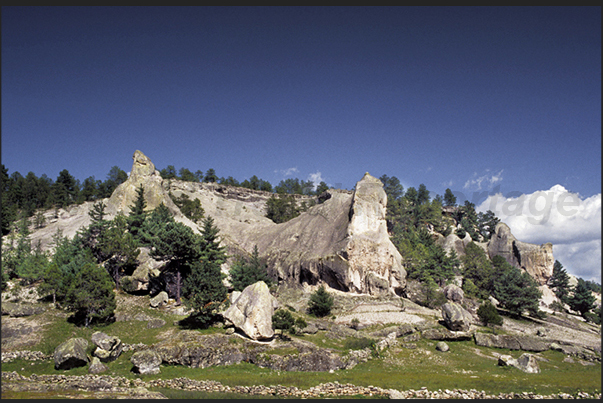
x=454 y=293
x=146 y=362
x=511 y=342
x=160 y=299
x=445 y=334
x=441 y=346
x=536 y=260
x=505 y=360
x=528 y=363
x=453 y=243
x=71 y=354
x=456 y=318
x=147 y=267
x=252 y=311
x=96 y=366
x=17 y=310
x=108 y=348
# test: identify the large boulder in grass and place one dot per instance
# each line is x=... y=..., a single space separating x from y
x=252 y=311
x=456 y=318
x=146 y=361
x=108 y=348
x=71 y=354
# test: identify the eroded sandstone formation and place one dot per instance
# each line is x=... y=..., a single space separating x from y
x=536 y=260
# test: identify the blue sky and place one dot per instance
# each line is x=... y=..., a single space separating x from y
x=481 y=100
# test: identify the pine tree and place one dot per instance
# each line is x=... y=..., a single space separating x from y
x=283 y=320
x=559 y=282
x=244 y=273
x=180 y=246
x=517 y=291
x=137 y=214
x=203 y=286
x=321 y=302
x=488 y=314
x=582 y=299
x=91 y=294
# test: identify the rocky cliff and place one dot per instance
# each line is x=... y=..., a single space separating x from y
x=537 y=260
x=342 y=240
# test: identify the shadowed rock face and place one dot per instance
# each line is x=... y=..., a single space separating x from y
x=536 y=260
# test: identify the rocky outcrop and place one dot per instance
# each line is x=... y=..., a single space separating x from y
x=536 y=260
x=342 y=242
x=526 y=362
x=160 y=299
x=71 y=354
x=146 y=362
x=146 y=268
x=144 y=174
x=16 y=310
x=252 y=311
x=108 y=348
x=456 y=318
x=454 y=293
x=96 y=366
x=511 y=342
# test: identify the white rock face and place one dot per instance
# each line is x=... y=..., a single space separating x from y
x=252 y=311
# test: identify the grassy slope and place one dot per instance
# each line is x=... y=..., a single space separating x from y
x=398 y=368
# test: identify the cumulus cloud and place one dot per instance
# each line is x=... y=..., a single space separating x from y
x=484 y=181
x=316 y=178
x=570 y=222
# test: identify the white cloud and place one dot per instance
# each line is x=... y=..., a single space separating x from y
x=572 y=224
x=488 y=180
x=316 y=178
x=287 y=172
x=581 y=259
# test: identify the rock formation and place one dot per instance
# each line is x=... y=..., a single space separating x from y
x=146 y=362
x=144 y=173
x=252 y=311
x=342 y=242
x=456 y=318
x=536 y=260
x=71 y=354
x=108 y=348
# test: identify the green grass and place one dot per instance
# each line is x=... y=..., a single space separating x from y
x=398 y=368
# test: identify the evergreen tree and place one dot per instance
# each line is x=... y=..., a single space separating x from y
x=478 y=268
x=281 y=208
x=488 y=314
x=203 y=286
x=210 y=176
x=192 y=209
x=392 y=187
x=582 y=300
x=119 y=247
x=137 y=214
x=283 y=320
x=244 y=273
x=91 y=294
x=517 y=291
x=559 y=282
x=179 y=246
x=321 y=302
x=32 y=266
x=449 y=198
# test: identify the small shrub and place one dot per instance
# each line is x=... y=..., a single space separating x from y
x=488 y=314
x=360 y=343
x=320 y=303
